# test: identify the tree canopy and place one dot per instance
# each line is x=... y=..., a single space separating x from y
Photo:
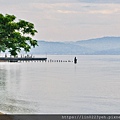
x=16 y=35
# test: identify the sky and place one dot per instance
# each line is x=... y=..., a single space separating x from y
x=67 y=20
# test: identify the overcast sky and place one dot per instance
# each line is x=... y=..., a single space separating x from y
x=67 y=20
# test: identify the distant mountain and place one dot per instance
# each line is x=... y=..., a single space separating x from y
x=98 y=46
x=60 y=48
x=108 y=52
x=103 y=43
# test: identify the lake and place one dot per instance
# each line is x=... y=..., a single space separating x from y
x=90 y=86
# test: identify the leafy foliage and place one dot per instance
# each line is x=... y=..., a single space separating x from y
x=15 y=36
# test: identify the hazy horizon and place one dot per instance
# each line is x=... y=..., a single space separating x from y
x=80 y=39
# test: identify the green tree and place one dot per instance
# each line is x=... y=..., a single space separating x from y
x=16 y=35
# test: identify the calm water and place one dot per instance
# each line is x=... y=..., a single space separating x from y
x=91 y=86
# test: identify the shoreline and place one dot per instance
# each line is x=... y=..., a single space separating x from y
x=4 y=116
x=1 y=113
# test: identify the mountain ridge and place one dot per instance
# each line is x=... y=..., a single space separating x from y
x=96 y=46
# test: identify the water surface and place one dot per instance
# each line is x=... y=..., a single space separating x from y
x=91 y=86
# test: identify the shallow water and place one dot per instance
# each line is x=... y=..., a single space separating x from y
x=90 y=86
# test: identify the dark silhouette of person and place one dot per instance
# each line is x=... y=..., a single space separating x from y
x=75 y=60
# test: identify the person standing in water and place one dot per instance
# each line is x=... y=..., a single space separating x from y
x=75 y=60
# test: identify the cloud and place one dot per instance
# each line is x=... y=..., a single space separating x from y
x=105 y=11
x=57 y=1
x=68 y=12
x=61 y=18
x=100 y=1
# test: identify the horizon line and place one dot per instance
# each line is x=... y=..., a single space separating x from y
x=80 y=40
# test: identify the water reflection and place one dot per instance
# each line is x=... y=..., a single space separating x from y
x=3 y=74
x=11 y=100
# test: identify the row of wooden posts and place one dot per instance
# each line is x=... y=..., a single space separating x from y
x=32 y=59
x=59 y=60
x=49 y=61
